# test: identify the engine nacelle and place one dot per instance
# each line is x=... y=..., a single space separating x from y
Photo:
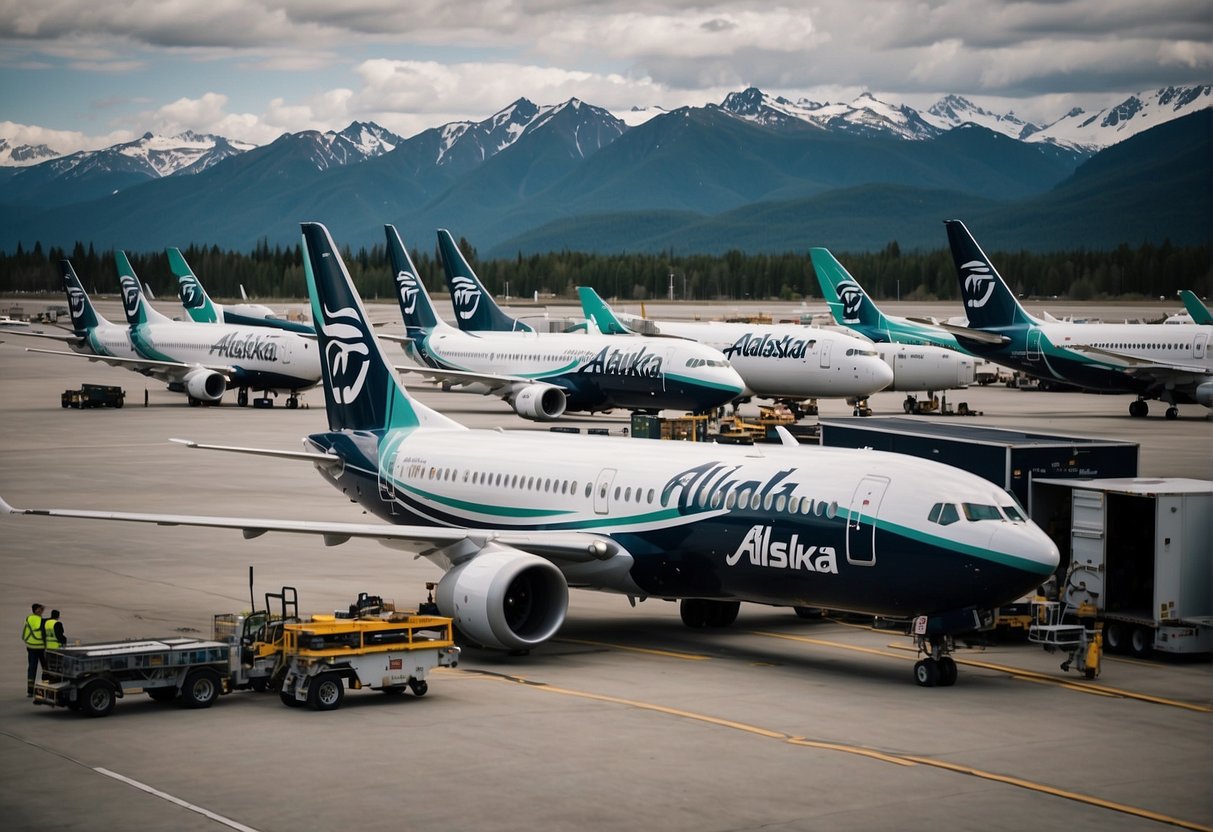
x=505 y=598
x=540 y=402
x=1204 y=394
x=205 y=385
x=918 y=368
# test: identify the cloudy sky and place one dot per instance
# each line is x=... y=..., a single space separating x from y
x=82 y=74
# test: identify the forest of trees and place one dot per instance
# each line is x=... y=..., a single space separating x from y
x=1126 y=272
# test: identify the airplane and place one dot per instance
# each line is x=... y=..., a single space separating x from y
x=788 y=363
x=1154 y=361
x=475 y=308
x=185 y=355
x=201 y=309
x=1198 y=313
x=516 y=518
x=542 y=376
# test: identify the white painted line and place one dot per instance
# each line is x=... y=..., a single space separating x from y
x=178 y=801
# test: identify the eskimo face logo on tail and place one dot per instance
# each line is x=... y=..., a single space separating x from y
x=467 y=297
x=75 y=302
x=978 y=283
x=406 y=285
x=191 y=298
x=851 y=296
x=130 y=295
x=346 y=354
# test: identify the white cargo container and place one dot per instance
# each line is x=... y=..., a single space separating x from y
x=1141 y=551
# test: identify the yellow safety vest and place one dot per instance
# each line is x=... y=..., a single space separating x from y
x=52 y=640
x=32 y=635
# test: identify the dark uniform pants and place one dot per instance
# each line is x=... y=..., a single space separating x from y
x=35 y=656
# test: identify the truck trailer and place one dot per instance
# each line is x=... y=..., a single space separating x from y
x=1138 y=550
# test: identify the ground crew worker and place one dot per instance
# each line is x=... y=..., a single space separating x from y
x=35 y=642
x=53 y=633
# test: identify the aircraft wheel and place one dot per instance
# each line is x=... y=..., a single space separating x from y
x=926 y=673
x=809 y=612
x=722 y=613
x=694 y=612
x=908 y=404
x=947 y=672
x=1139 y=408
x=1172 y=412
x=292 y=403
x=242 y=397
x=195 y=402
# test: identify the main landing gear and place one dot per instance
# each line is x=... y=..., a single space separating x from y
x=937 y=667
x=1140 y=408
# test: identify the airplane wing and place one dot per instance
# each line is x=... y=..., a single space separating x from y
x=63 y=335
x=163 y=370
x=966 y=332
x=458 y=378
x=304 y=456
x=1141 y=366
x=455 y=544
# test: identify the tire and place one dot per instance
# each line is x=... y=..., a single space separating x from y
x=947 y=672
x=162 y=694
x=200 y=689
x=814 y=613
x=722 y=613
x=97 y=698
x=694 y=612
x=1141 y=642
x=419 y=687
x=326 y=692
x=1115 y=637
x=926 y=673
x=195 y=402
x=289 y=699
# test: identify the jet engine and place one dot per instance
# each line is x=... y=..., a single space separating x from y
x=504 y=598
x=1204 y=394
x=927 y=368
x=540 y=402
x=205 y=385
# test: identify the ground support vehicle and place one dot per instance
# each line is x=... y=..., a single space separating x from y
x=1075 y=630
x=1138 y=551
x=93 y=395
x=92 y=677
x=394 y=653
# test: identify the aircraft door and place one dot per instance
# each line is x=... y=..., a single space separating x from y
x=861 y=520
x=284 y=351
x=387 y=487
x=1199 y=343
x=667 y=363
x=602 y=490
x=825 y=353
x=1033 y=344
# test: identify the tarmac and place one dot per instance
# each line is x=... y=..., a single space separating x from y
x=626 y=720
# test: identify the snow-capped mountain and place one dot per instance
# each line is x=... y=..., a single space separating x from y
x=954 y=110
x=1093 y=131
x=866 y=115
x=24 y=155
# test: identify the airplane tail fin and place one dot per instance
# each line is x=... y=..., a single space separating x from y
x=84 y=315
x=599 y=313
x=475 y=309
x=848 y=302
x=360 y=388
x=1199 y=312
x=134 y=304
x=415 y=305
x=988 y=301
x=194 y=298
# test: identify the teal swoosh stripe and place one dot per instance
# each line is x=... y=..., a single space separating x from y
x=697 y=382
x=146 y=349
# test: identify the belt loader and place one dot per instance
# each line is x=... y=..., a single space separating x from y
x=306 y=660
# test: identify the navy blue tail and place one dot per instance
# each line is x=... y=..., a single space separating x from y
x=475 y=309
x=988 y=301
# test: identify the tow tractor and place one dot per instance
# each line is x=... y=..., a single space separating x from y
x=306 y=660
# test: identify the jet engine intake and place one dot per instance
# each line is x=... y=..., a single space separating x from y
x=504 y=598
x=1204 y=394
x=205 y=385
x=540 y=402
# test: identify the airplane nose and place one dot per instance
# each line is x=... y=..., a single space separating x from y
x=882 y=373
x=1027 y=547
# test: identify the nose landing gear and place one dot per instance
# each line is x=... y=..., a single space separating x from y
x=937 y=667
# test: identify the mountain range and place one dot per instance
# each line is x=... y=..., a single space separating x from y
x=755 y=172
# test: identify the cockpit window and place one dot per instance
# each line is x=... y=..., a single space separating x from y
x=977 y=511
x=943 y=513
x=1014 y=514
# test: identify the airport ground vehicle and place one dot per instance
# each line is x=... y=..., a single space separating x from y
x=306 y=660
x=1138 y=552
x=94 y=395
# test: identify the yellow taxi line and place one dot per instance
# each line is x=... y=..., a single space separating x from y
x=669 y=654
